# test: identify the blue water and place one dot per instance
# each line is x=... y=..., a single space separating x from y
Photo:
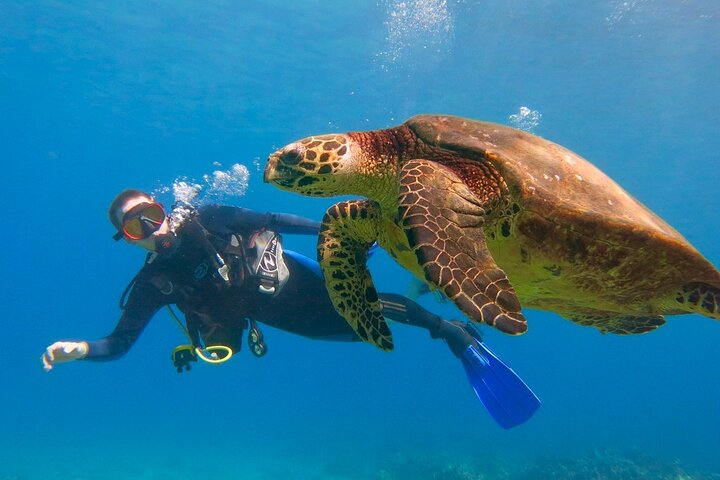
x=100 y=96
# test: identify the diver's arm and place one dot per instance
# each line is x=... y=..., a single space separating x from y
x=141 y=306
x=237 y=219
x=143 y=302
x=288 y=223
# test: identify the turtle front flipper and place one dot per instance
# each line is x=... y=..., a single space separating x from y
x=348 y=231
x=443 y=220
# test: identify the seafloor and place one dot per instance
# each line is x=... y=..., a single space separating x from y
x=598 y=465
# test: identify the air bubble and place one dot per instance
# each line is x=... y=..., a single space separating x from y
x=416 y=26
x=526 y=119
x=214 y=187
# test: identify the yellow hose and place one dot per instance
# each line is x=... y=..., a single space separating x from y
x=214 y=348
x=201 y=352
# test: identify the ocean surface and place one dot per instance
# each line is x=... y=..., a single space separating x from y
x=168 y=96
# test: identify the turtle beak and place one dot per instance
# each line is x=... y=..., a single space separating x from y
x=270 y=169
x=281 y=167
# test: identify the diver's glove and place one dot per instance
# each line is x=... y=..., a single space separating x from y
x=60 y=352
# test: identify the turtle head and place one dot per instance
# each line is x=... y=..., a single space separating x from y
x=318 y=166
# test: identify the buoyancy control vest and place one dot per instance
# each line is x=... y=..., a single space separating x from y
x=234 y=261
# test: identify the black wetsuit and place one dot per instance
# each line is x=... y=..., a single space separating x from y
x=217 y=312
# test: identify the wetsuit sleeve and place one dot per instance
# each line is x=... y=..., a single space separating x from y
x=144 y=301
x=236 y=219
x=403 y=310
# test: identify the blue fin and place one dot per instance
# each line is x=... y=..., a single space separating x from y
x=503 y=393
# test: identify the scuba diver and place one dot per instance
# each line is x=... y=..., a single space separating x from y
x=224 y=267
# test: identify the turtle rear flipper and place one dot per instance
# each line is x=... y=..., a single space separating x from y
x=619 y=324
x=348 y=231
x=443 y=220
x=697 y=297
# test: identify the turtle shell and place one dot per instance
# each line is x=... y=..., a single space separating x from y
x=555 y=187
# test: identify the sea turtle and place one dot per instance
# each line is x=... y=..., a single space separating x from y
x=495 y=218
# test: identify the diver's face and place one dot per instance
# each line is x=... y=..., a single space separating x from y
x=147 y=242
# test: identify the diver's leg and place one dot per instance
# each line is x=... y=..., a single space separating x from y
x=403 y=310
x=503 y=393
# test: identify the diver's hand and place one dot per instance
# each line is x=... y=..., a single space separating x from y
x=60 y=352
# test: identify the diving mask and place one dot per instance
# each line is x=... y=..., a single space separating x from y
x=141 y=221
